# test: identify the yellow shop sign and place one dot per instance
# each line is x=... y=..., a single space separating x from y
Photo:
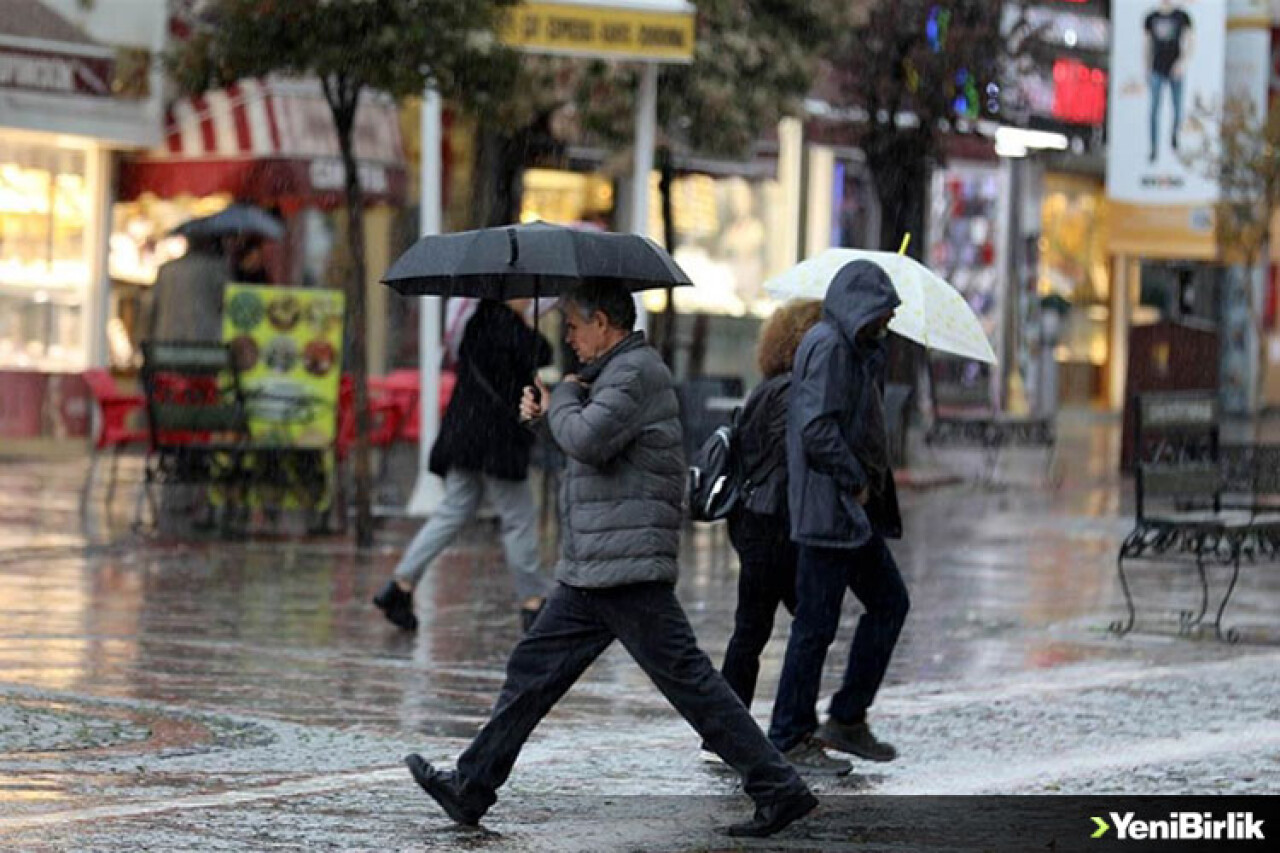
x=617 y=30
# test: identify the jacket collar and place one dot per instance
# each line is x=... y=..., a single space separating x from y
x=590 y=372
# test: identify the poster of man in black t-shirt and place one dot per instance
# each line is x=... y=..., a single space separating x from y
x=1169 y=43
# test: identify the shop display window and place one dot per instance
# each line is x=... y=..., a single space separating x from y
x=140 y=233
x=1074 y=273
x=565 y=198
x=1074 y=288
x=726 y=240
x=963 y=229
x=44 y=255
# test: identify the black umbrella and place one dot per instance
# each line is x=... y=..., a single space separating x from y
x=530 y=260
x=235 y=219
x=537 y=259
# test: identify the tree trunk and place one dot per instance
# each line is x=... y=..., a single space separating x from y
x=902 y=180
x=901 y=173
x=499 y=176
x=667 y=320
x=344 y=121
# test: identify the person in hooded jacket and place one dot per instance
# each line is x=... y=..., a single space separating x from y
x=618 y=424
x=843 y=506
x=482 y=449
x=759 y=527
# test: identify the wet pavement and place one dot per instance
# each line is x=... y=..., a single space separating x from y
x=213 y=695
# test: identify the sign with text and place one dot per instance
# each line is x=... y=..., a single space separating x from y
x=58 y=73
x=616 y=30
x=1167 y=66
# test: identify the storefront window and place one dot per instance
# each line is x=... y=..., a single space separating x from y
x=140 y=233
x=1075 y=284
x=963 y=232
x=723 y=241
x=44 y=259
x=1073 y=266
x=565 y=198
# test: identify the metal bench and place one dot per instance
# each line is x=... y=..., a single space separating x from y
x=1198 y=501
x=964 y=414
x=197 y=418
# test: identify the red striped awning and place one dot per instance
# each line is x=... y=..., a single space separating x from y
x=271 y=142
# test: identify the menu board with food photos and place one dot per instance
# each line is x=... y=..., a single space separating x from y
x=287 y=345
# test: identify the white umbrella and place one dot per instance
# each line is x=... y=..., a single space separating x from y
x=932 y=313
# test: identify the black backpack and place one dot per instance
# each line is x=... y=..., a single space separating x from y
x=715 y=475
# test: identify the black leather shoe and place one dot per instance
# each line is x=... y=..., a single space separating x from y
x=397 y=606
x=774 y=817
x=446 y=789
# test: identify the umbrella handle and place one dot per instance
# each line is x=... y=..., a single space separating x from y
x=537 y=395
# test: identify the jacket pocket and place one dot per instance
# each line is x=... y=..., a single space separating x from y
x=821 y=514
x=859 y=527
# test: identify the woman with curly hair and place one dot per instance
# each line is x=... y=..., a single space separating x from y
x=759 y=527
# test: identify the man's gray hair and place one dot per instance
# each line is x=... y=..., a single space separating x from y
x=616 y=303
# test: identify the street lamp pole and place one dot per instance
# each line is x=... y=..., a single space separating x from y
x=642 y=163
x=427 y=490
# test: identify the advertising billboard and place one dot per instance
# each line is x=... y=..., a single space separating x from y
x=1167 y=67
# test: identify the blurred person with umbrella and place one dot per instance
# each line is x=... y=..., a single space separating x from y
x=617 y=422
x=186 y=301
x=187 y=297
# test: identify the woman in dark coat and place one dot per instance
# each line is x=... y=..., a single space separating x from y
x=482 y=450
x=759 y=527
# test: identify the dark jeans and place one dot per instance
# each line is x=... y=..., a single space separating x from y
x=574 y=628
x=1157 y=83
x=766 y=579
x=821 y=578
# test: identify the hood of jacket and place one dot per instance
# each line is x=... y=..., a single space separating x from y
x=859 y=293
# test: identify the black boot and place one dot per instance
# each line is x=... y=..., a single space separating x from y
x=397 y=606
x=774 y=817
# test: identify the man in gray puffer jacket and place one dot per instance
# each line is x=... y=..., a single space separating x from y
x=618 y=424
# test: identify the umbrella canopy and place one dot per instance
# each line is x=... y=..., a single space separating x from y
x=236 y=219
x=531 y=260
x=932 y=313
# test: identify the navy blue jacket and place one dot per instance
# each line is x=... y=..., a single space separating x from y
x=836 y=382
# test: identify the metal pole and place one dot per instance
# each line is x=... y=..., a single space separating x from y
x=427 y=491
x=642 y=165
